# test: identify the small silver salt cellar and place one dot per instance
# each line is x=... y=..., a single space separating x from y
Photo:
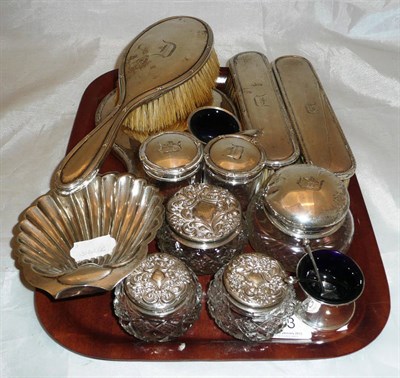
x=172 y=160
x=160 y=300
x=251 y=298
x=235 y=162
x=302 y=207
x=203 y=227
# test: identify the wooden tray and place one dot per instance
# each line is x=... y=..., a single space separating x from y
x=88 y=326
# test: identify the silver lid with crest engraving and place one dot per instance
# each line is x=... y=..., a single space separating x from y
x=171 y=156
x=306 y=201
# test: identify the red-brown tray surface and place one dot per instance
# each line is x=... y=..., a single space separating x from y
x=88 y=326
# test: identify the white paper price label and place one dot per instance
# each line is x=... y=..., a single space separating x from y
x=295 y=330
x=88 y=249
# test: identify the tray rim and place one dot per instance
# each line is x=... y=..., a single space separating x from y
x=281 y=350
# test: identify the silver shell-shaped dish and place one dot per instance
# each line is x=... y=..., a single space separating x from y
x=128 y=209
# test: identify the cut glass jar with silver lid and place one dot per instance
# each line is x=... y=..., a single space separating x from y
x=172 y=160
x=203 y=227
x=251 y=298
x=302 y=207
x=160 y=300
x=235 y=162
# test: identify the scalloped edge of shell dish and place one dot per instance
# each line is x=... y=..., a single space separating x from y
x=119 y=205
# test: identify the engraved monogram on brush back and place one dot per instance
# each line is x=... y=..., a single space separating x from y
x=160 y=284
x=204 y=213
x=255 y=281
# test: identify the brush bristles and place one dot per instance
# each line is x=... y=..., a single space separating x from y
x=170 y=110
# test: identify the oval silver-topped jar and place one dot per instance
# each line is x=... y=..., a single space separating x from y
x=203 y=227
x=235 y=162
x=301 y=206
x=172 y=160
x=251 y=297
x=160 y=300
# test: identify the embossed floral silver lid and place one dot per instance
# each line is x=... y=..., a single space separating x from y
x=255 y=282
x=204 y=216
x=234 y=158
x=306 y=201
x=171 y=156
x=160 y=285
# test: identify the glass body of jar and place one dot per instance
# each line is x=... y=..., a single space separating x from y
x=159 y=301
x=172 y=160
x=302 y=207
x=200 y=259
x=287 y=249
x=203 y=227
x=235 y=162
x=259 y=302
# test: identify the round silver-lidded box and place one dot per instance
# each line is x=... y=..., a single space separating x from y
x=203 y=227
x=301 y=206
x=172 y=160
x=251 y=298
x=235 y=162
x=160 y=300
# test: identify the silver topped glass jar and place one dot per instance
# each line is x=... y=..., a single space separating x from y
x=203 y=227
x=172 y=160
x=302 y=207
x=235 y=162
x=160 y=300
x=251 y=298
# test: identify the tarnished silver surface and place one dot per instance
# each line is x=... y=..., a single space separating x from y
x=127 y=209
x=249 y=298
x=184 y=44
x=222 y=100
x=321 y=138
x=126 y=148
x=160 y=300
x=234 y=158
x=160 y=284
x=306 y=201
x=260 y=106
x=171 y=156
x=255 y=282
x=203 y=216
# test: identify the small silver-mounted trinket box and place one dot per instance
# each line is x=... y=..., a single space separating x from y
x=301 y=207
x=160 y=300
x=235 y=162
x=172 y=160
x=251 y=298
x=203 y=227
